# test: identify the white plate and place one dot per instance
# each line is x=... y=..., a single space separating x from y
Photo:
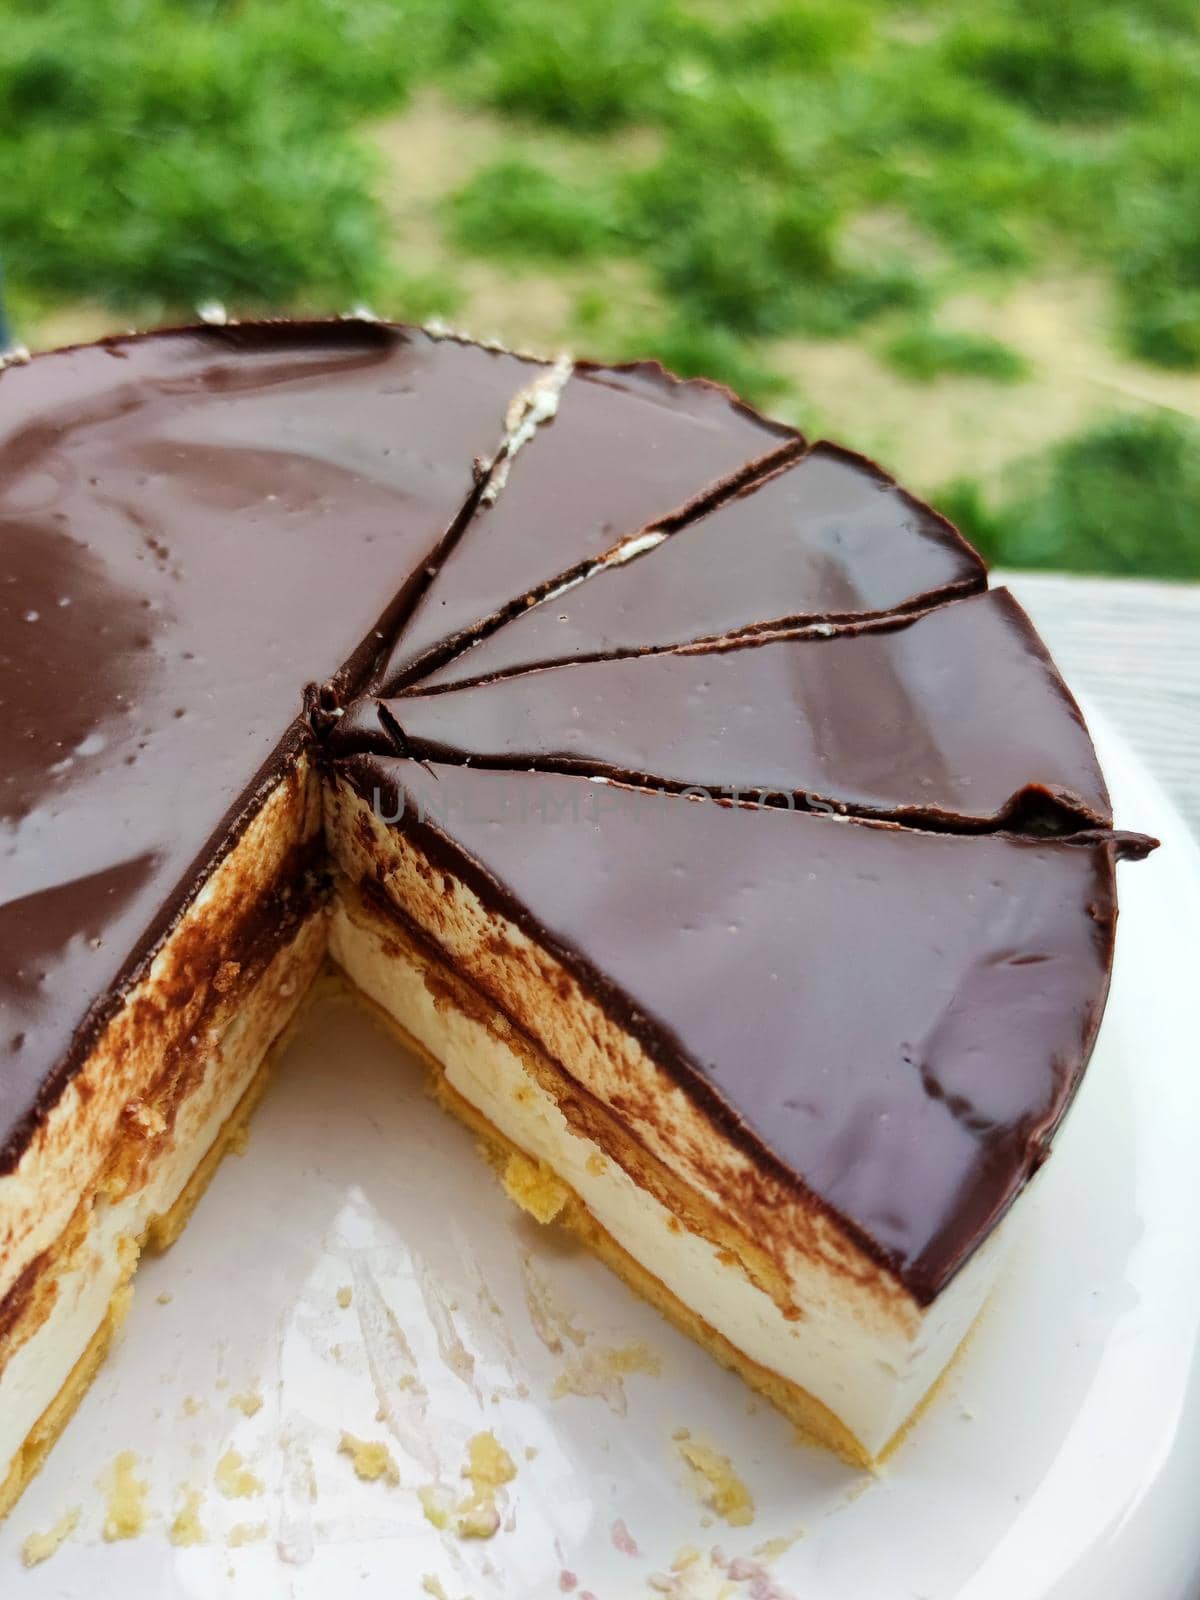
x=1061 y=1459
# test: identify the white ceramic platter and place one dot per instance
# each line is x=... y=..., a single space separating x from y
x=1061 y=1459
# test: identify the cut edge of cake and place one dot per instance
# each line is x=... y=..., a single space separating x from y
x=438 y=642
x=518 y=646
x=1055 y=786
x=649 y=1171
x=139 y=1129
x=132 y=1137
x=850 y=1370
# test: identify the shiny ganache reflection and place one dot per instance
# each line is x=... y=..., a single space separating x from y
x=192 y=527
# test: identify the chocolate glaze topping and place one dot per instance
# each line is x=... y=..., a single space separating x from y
x=203 y=532
x=830 y=538
x=957 y=718
x=894 y=1019
x=192 y=526
x=629 y=447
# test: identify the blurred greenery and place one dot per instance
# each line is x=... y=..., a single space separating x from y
x=788 y=170
x=1119 y=498
x=923 y=353
x=516 y=209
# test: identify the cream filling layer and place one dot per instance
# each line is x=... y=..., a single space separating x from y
x=170 y=1008
x=870 y=1374
x=38 y=1367
x=655 y=1107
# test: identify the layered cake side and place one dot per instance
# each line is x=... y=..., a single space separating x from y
x=209 y=538
x=118 y=1160
x=833 y=1051
x=787 y=1071
x=193 y=526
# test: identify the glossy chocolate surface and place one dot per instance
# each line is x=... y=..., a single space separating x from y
x=196 y=525
x=628 y=447
x=829 y=538
x=895 y=1018
x=957 y=717
x=193 y=525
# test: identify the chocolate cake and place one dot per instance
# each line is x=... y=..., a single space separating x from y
x=769 y=930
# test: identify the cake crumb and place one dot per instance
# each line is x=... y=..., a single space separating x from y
x=371 y=1459
x=165 y=1298
x=234 y=1478
x=596 y=1164
x=344 y=1296
x=772 y=1549
x=40 y=1547
x=531 y=1451
x=433 y=1500
x=478 y=1521
x=185 y=1529
x=192 y=1406
x=534 y=1187
x=246 y=1533
x=717 y=1484
x=489 y=1464
x=125 y=1514
x=488 y=1468
x=249 y=1403
x=148 y=1119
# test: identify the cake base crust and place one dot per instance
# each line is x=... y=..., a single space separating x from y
x=42 y=1437
x=814 y=1421
x=160 y=1232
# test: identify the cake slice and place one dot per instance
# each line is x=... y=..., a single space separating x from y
x=955 y=718
x=624 y=450
x=786 y=1072
x=193 y=526
x=828 y=539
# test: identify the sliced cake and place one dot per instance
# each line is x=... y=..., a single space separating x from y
x=955 y=718
x=193 y=526
x=790 y=1070
x=786 y=1070
x=830 y=538
x=627 y=452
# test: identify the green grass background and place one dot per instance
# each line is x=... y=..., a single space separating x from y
x=725 y=185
